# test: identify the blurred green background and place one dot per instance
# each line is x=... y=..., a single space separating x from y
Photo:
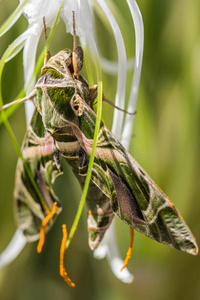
x=165 y=142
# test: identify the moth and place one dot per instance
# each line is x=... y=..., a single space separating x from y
x=63 y=126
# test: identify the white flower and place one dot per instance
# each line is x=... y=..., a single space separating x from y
x=34 y=11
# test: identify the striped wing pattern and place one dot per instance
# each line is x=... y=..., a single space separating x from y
x=37 y=150
x=134 y=197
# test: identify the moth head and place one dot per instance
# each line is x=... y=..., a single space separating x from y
x=61 y=62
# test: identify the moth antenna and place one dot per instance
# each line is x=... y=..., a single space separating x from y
x=47 y=54
x=117 y=107
x=93 y=96
x=77 y=54
x=74 y=32
x=29 y=97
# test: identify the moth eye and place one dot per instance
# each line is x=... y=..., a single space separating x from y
x=77 y=105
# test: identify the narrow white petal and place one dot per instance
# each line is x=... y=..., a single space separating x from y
x=35 y=10
x=17 y=49
x=139 y=45
x=122 y=63
x=29 y=58
x=17 y=45
x=13 y=249
x=111 y=67
x=109 y=249
x=101 y=251
x=82 y=16
x=116 y=264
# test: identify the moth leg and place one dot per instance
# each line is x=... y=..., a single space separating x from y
x=56 y=157
x=130 y=249
x=63 y=272
x=29 y=97
x=93 y=93
x=77 y=54
x=46 y=220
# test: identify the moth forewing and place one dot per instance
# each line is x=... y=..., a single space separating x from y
x=134 y=197
x=158 y=218
x=37 y=151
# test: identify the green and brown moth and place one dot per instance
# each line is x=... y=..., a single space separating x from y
x=63 y=125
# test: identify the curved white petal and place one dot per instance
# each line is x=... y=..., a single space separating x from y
x=83 y=16
x=109 y=248
x=116 y=264
x=111 y=67
x=122 y=62
x=29 y=58
x=13 y=249
x=17 y=45
x=16 y=50
x=35 y=10
x=101 y=251
x=139 y=45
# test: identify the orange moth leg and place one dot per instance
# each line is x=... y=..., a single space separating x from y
x=130 y=249
x=63 y=273
x=43 y=226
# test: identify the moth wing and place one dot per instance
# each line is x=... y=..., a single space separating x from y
x=134 y=196
x=37 y=151
x=139 y=202
x=99 y=211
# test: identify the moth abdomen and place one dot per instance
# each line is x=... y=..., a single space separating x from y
x=100 y=215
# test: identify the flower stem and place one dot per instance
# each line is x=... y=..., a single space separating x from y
x=12 y=18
